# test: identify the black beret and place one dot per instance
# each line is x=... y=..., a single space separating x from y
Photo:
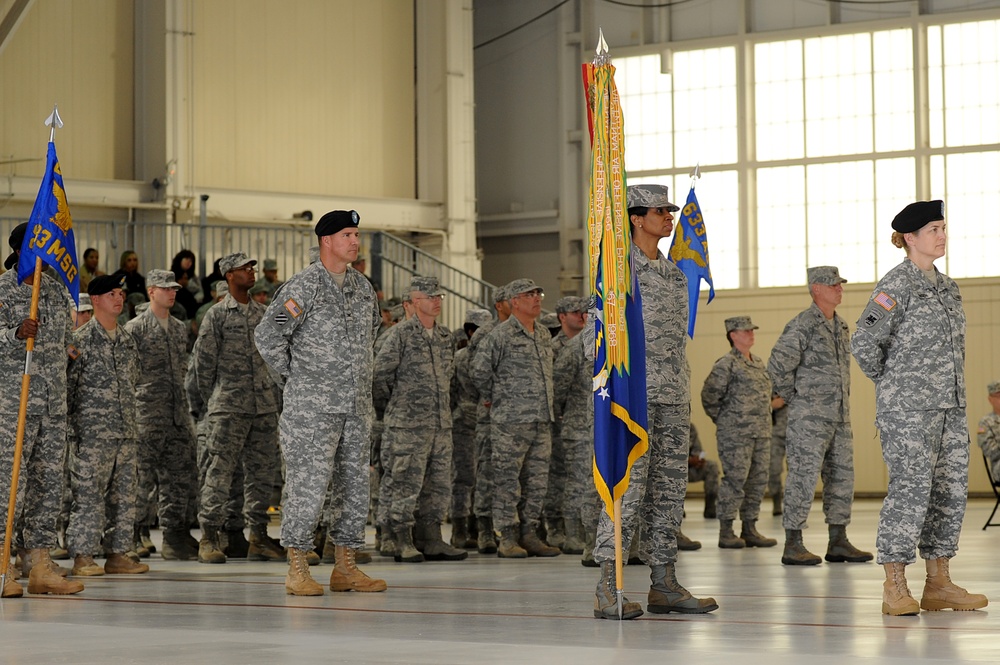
x=337 y=220
x=105 y=284
x=15 y=241
x=918 y=215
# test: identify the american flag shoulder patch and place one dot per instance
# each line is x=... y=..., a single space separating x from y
x=293 y=308
x=885 y=301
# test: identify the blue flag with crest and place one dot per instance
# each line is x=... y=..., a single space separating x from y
x=50 y=231
x=689 y=252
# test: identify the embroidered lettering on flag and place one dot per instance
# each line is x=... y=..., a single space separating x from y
x=885 y=301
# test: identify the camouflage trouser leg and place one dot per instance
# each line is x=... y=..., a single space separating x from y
x=818 y=447
x=375 y=474
x=385 y=482
x=927 y=453
x=654 y=499
x=520 y=472
x=309 y=445
x=558 y=477
x=580 y=488
x=707 y=473
x=333 y=506
x=463 y=470
x=66 y=506
x=483 y=499
x=170 y=456
x=103 y=483
x=744 y=464
x=244 y=445
x=777 y=465
x=421 y=471
x=8 y=431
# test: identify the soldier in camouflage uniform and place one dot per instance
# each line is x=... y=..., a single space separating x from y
x=512 y=369
x=703 y=470
x=910 y=340
x=737 y=397
x=655 y=496
x=240 y=400
x=810 y=369
x=571 y=313
x=103 y=372
x=317 y=334
x=414 y=367
x=167 y=445
x=988 y=434
x=483 y=496
x=572 y=376
x=463 y=435
x=40 y=483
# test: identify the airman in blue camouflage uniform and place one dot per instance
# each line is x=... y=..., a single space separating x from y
x=810 y=369
x=910 y=340
x=40 y=484
x=240 y=401
x=167 y=445
x=317 y=334
x=737 y=397
x=103 y=372
x=414 y=367
x=512 y=369
x=655 y=496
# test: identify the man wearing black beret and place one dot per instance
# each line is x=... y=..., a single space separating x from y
x=41 y=478
x=317 y=334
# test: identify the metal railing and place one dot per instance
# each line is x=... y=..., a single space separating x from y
x=392 y=262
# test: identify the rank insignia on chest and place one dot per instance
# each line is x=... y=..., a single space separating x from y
x=293 y=308
x=72 y=352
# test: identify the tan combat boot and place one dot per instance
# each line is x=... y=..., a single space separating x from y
x=27 y=563
x=298 y=581
x=535 y=546
x=44 y=578
x=728 y=540
x=667 y=595
x=486 y=542
x=406 y=551
x=896 y=598
x=265 y=548
x=347 y=577
x=574 y=543
x=84 y=566
x=606 y=601
x=795 y=552
x=940 y=593
x=508 y=547
x=119 y=564
x=210 y=546
x=11 y=589
x=754 y=538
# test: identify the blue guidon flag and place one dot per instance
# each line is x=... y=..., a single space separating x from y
x=49 y=236
x=689 y=252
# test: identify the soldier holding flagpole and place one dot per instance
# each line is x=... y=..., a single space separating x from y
x=35 y=313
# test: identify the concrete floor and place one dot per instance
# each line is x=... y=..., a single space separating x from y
x=489 y=610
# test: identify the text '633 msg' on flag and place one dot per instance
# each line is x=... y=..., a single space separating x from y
x=689 y=252
x=619 y=385
x=49 y=236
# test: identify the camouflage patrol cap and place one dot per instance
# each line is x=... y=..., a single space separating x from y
x=520 y=286
x=258 y=287
x=649 y=196
x=397 y=313
x=222 y=288
x=478 y=317
x=500 y=294
x=162 y=279
x=270 y=264
x=572 y=304
x=549 y=320
x=85 y=305
x=231 y=262
x=740 y=323
x=427 y=285
x=387 y=304
x=405 y=297
x=993 y=388
x=828 y=275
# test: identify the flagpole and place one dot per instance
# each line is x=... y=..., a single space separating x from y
x=54 y=122
x=619 y=573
